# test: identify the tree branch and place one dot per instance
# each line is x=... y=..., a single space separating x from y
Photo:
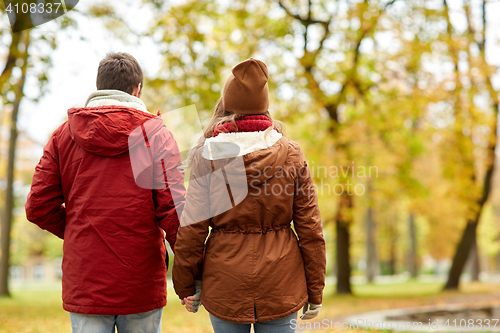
x=483 y=32
x=390 y=3
x=11 y=58
x=304 y=21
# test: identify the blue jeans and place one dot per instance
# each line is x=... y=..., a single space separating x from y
x=145 y=322
x=273 y=326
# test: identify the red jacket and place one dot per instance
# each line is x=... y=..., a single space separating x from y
x=84 y=192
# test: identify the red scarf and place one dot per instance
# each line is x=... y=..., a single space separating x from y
x=245 y=124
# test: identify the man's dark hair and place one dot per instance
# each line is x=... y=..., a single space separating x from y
x=119 y=71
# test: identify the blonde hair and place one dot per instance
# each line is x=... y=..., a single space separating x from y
x=222 y=116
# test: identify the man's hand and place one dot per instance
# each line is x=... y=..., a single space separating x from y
x=192 y=303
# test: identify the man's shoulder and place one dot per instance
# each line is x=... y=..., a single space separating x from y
x=60 y=134
x=63 y=128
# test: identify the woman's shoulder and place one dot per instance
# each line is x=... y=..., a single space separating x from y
x=294 y=153
x=292 y=145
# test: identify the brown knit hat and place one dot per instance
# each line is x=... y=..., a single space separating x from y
x=245 y=90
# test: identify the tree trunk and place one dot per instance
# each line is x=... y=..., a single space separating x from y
x=412 y=253
x=469 y=234
x=343 y=222
x=474 y=261
x=9 y=196
x=372 y=268
x=9 y=205
x=392 y=246
x=392 y=261
x=461 y=254
x=497 y=261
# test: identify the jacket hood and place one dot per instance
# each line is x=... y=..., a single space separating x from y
x=264 y=164
x=105 y=130
x=259 y=166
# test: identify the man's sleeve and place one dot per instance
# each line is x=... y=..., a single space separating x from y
x=45 y=203
x=307 y=224
x=170 y=199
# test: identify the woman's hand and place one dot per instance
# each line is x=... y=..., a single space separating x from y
x=192 y=303
x=188 y=302
x=310 y=311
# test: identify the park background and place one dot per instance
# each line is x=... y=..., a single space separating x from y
x=394 y=103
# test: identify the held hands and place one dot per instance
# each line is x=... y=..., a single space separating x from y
x=192 y=303
x=310 y=311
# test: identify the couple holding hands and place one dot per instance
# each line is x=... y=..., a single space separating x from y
x=250 y=256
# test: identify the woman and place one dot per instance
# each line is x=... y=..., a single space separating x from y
x=248 y=183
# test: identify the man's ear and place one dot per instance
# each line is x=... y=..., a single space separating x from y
x=137 y=91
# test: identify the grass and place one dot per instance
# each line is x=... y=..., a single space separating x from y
x=39 y=310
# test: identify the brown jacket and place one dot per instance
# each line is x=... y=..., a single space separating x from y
x=257 y=266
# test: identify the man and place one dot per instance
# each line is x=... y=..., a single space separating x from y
x=86 y=191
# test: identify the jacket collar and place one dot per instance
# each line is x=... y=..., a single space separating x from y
x=115 y=97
